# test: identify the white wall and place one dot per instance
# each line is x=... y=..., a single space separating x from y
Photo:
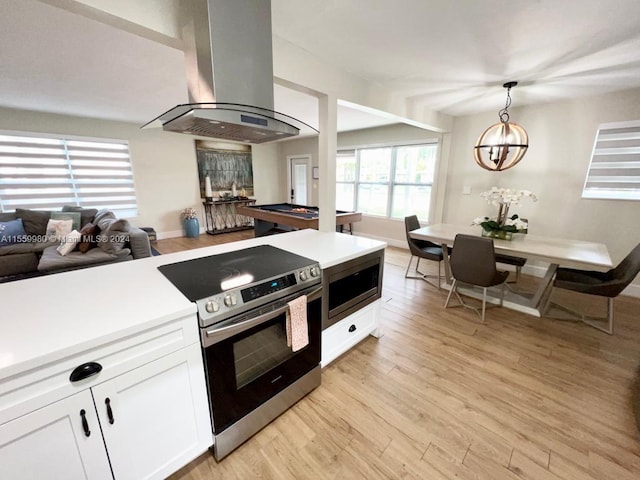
x=561 y=137
x=164 y=165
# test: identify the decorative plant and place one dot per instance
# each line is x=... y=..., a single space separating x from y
x=503 y=198
x=189 y=213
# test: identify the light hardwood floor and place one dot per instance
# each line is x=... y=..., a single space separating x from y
x=442 y=396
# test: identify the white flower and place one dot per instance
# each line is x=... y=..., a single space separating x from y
x=506 y=196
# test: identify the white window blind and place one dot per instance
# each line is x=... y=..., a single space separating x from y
x=614 y=171
x=49 y=172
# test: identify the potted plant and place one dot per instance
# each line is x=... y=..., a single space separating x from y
x=503 y=226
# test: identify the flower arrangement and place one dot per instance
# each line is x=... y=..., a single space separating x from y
x=189 y=213
x=503 y=224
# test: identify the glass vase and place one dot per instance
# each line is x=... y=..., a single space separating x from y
x=497 y=234
x=192 y=227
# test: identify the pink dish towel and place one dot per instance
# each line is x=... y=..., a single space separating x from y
x=297 y=332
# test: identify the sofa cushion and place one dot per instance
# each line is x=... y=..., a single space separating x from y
x=86 y=214
x=17 y=248
x=18 y=263
x=88 y=239
x=12 y=232
x=34 y=221
x=52 y=260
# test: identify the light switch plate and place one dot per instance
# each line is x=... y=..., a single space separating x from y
x=466 y=190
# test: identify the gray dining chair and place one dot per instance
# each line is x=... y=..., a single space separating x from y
x=603 y=284
x=517 y=262
x=473 y=262
x=421 y=249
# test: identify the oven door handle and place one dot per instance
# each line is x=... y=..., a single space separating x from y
x=216 y=335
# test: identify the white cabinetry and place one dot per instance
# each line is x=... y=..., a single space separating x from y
x=144 y=416
x=51 y=443
x=349 y=331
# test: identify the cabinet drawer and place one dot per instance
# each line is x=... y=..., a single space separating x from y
x=50 y=382
x=343 y=335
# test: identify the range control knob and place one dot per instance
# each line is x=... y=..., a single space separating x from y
x=315 y=271
x=303 y=275
x=234 y=299
x=227 y=300
x=212 y=306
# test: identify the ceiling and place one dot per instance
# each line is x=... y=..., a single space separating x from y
x=450 y=56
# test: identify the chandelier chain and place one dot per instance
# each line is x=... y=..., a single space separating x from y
x=504 y=114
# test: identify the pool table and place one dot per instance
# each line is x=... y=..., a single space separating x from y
x=284 y=217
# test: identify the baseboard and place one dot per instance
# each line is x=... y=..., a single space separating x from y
x=392 y=242
x=173 y=234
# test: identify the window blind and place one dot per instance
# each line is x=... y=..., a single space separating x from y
x=614 y=170
x=48 y=172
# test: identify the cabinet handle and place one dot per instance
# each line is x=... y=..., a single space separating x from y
x=352 y=328
x=84 y=371
x=85 y=424
x=107 y=402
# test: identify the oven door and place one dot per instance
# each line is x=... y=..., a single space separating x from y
x=247 y=360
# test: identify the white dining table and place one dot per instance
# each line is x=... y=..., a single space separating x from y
x=551 y=250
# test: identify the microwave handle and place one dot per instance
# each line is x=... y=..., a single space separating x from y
x=216 y=335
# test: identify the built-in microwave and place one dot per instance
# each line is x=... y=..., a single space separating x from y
x=350 y=286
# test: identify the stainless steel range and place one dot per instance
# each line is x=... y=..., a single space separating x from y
x=242 y=299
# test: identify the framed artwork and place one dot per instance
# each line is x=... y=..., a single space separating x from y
x=224 y=168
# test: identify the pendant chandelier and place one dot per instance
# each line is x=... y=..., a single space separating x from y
x=502 y=145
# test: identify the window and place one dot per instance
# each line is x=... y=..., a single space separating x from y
x=393 y=181
x=614 y=170
x=49 y=172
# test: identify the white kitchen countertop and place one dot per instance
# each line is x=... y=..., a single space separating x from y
x=47 y=318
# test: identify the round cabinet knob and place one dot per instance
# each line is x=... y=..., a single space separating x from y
x=211 y=306
x=315 y=271
x=303 y=275
x=228 y=301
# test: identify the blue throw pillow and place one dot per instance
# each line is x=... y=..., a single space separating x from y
x=12 y=232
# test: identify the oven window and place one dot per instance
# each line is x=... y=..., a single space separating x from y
x=259 y=353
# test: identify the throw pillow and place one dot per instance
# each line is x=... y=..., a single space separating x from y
x=35 y=222
x=12 y=232
x=68 y=242
x=73 y=216
x=88 y=240
x=57 y=229
x=86 y=214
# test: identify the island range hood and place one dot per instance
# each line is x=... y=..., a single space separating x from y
x=229 y=60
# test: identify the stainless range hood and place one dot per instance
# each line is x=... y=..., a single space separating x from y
x=229 y=60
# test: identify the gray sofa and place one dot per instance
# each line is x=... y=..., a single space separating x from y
x=105 y=239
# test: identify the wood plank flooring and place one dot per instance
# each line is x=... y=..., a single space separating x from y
x=442 y=396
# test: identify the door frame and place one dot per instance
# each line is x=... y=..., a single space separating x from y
x=306 y=157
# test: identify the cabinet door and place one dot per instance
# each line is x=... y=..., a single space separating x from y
x=51 y=443
x=155 y=419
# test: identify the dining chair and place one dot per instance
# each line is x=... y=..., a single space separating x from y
x=473 y=262
x=603 y=284
x=421 y=249
x=517 y=262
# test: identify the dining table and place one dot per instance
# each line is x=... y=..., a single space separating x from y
x=549 y=250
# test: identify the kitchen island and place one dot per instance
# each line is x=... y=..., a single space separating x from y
x=143 y=332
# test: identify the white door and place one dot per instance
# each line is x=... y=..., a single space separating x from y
x=159 y=416
x=299 y=175
x=61 y=440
